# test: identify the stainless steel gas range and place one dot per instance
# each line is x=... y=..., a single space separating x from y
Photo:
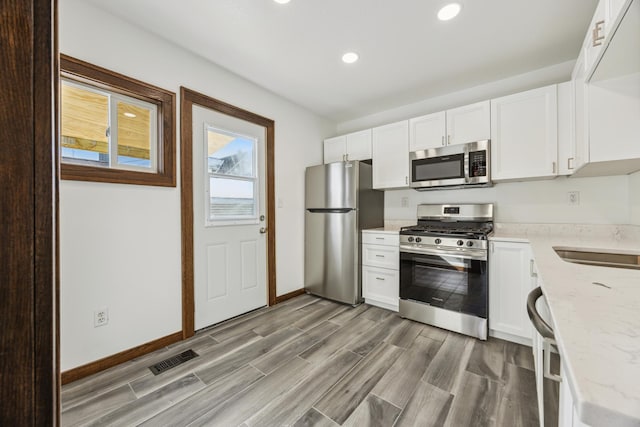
x=443 y=267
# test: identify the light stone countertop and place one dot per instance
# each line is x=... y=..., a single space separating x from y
x=388 y=230
x=597 y=329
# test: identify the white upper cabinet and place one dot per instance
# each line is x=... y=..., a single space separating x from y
x=566 y=129
x=524 y=129
x=469 y=123
x=456 y=126
x=390 y=149
x=335 y=149
x=353 y=146
x=427 y=131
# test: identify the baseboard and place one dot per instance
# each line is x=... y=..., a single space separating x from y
x=509 y=337
x=293 y=294
x=118 y=358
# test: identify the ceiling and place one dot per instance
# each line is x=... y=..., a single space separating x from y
x=406 y=54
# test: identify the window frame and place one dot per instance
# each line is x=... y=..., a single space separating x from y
x=255 y=179
x=84 y=73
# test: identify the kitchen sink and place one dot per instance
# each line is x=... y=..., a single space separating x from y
x=602 y=259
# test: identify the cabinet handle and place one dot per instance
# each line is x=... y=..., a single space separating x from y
x=406 y=180
x=531 y=272
x=597 y=36
x=448 y=139
x=546 y=349
x=346 y=157
x=379 y=238
x=380 y=278
x=443 y=140
x=569 y=163
x=553 y=167
x=380 y=256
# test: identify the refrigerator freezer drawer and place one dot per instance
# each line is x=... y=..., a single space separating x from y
x=331 y=256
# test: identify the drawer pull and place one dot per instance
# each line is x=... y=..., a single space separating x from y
x=380 y=256
x=380 y=278
x=379 y=238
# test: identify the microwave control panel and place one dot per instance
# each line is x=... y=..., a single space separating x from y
x=478 y=163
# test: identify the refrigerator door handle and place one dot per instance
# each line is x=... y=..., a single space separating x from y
x=338 y=210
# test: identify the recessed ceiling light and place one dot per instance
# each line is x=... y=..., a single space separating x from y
x=282 y=1
x=130 y=115
x=449 y=11
x=350 y=57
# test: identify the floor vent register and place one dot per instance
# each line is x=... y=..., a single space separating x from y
x=172 y=362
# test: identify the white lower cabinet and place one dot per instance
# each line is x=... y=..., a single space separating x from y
x=511 y=278
x=567 y=414
x=380 y=269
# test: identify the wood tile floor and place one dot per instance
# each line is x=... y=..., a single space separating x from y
x=312 y=362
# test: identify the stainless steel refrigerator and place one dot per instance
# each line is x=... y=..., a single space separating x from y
x=339 y=203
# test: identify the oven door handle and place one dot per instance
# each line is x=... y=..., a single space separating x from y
x=473 y=255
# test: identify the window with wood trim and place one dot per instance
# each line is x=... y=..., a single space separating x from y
x=115 y=128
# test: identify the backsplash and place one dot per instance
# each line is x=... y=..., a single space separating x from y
x=603 y=200
x=587 y=231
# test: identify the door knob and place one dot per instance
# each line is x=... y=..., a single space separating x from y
x=263 y=230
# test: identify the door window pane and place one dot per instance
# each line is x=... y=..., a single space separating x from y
x=231 y=198
x=232 y=177
x=135 y=126
x=84 y=125
x=230 y=154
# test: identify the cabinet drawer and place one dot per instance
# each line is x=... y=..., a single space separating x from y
x=380 y=284
x=381 y=256
x=381 y=239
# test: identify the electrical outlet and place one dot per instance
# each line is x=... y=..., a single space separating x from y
x=404 y=202
x=100 y=317
x=573 y=197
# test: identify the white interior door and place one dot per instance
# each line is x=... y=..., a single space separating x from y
x=230 y=249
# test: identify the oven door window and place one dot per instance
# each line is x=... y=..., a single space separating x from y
x=438 y=168
x=451 y=283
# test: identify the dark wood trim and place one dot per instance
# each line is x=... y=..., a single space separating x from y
x=28 y=208
x=187 y=99
x=165 y=101
x=292 y=294
x=118 y=358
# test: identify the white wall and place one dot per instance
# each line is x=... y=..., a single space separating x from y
x=634 y=198
x=603 y=200
x=120 y=244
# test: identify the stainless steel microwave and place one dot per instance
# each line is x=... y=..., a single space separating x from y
x=460 y=165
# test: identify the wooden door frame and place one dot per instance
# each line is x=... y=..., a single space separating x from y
x=29 y=368
x=189 y=98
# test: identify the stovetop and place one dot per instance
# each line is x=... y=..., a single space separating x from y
x=470 y=230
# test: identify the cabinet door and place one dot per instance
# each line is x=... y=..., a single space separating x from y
x=566 y=129
x=469 y=123
x=524 y=128
x=596 y=33
x=581 y=139
x=381 y=286
x=390 y=151
x=510 y=281
x=359 y=145
x=335 y=149
x=427 y=131
x=614 y=113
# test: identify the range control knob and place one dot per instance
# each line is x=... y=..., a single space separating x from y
x=469 y=243
x=418 y=240
x=410 y=239
x=438 y=241
x=460 y=243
